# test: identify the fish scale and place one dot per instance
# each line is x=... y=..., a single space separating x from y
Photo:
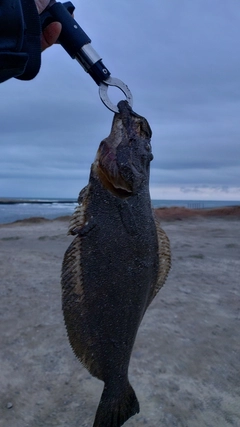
x=116 y=264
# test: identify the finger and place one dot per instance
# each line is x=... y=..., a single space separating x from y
x=50 y=35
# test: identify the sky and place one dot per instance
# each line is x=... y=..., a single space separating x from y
x=181 y=61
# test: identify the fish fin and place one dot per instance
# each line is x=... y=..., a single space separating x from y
x=164 y=256
x=78 y=219
x=73 y=297
x=114 y=411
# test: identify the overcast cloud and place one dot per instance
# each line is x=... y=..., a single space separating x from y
x=181 y=60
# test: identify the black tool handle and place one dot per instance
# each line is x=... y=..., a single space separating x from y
x=74 y=40
x=72 y=36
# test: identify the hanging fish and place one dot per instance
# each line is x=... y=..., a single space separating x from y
x=116 y=264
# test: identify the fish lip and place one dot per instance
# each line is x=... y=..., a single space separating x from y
x=113 y=181
x=108 y=169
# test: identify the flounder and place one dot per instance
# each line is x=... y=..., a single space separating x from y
x=116 y=264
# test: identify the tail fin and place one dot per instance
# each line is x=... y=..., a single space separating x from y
x=114 y=410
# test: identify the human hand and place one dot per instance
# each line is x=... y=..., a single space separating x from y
x=51 y=33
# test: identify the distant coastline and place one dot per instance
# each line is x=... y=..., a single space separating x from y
x=191 y=204
x=18 y=209
x=13 y=201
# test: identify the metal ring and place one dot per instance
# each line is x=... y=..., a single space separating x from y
x=112 y=81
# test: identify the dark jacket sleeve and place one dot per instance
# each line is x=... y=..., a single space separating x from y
x=20 y=46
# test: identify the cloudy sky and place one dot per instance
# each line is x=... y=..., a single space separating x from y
x=181 y=60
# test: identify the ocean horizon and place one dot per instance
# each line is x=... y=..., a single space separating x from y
x=14 y=209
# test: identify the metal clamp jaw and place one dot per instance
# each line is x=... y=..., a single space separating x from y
x=78 y=45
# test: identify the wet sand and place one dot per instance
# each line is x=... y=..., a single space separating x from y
x=185 y=364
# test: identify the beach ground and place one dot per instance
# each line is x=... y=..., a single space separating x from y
x=185 y=364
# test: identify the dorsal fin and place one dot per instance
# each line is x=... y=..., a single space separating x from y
x=78 y=219
x=164 y=255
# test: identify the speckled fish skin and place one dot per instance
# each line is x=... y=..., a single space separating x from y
x=117 y=262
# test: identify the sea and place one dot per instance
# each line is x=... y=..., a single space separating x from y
x=12 y=210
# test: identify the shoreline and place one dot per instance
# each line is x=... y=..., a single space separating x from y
x=191 y=204
x=12 y=201
x=180 y=213
x=175 y=213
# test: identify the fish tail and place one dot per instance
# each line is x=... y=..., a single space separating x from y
x=113 y=410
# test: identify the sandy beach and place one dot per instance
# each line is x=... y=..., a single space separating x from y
x=185 y=366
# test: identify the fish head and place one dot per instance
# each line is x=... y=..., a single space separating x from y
x=123 y=158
